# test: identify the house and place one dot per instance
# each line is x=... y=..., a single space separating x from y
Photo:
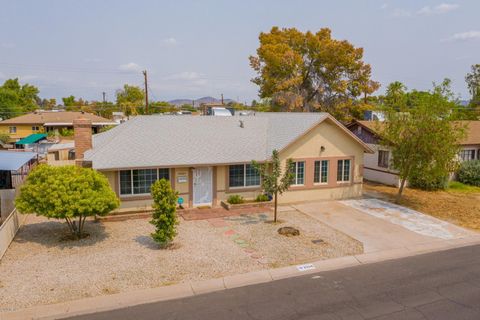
x=377 y=166
x=46 y=121
x=207 y=159
x=61 y=154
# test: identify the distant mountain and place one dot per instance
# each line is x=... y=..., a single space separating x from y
x=198 y=102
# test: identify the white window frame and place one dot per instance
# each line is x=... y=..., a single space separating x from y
x=12 y=129
x=343 y=171
x=463 y=151
x=244 y=178
x=35 y=128
x=320 y=172
x=131 y=194
x=295 y=164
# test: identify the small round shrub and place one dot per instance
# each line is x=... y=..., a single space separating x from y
x=235 y=199
x=262 y=198
x=469 y=173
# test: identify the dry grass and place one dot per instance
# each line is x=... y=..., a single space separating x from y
x=454 y=205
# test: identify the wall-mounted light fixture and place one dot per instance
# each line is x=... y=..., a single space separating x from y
x=322 y=148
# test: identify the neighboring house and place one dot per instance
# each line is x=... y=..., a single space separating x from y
x=14 y=167
x=207 y=159
x=377 y=166
x=61 y=154
x=119 y=117
x=45 y=121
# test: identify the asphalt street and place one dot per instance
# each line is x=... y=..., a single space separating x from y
x=442 y=285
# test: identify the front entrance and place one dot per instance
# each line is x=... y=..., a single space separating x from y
x=202 y=186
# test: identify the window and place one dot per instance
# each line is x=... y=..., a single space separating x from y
x=466 y=155
x=71 y=154
x=343 y=170
x=298 y=170
x=243 y=175
x=140 y=181
x=383 y=158
x=12 y=129
x=320 y=174
x=35 y=128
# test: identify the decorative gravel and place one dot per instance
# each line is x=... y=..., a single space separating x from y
x=39 y=268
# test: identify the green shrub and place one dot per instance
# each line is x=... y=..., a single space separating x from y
x=428 y=182
x=164 y=215
x=4 y=137
x=469 y=173
x=66 y=192
x=235 y=199
x=262 y=198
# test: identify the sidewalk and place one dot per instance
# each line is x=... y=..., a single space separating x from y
x=128 y=299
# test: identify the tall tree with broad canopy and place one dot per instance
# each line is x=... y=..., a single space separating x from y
x=67 y=192
x=274 y=180
x=312 y=72
x=16 y=99
x=473 y=84
x=424 y=140
x=130 y=98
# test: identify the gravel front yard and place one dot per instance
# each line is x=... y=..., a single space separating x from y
x=38 y=268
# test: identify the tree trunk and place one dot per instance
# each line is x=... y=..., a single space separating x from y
x=275 y=209
x=400 y=190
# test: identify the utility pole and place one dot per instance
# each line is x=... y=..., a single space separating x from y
x=146 y=91
x=222 y=98
x=104 y=93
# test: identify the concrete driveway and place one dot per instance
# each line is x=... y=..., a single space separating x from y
x=381 y=225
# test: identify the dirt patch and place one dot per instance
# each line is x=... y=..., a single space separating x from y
x=460 y=208
x=39 y=268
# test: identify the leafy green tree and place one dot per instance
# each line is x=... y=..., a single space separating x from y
x=16 y=99
x=473 y=84
x=164 y=215
x=424 y=140
x=67 y=192
x=395 y=96
x=130 y=98
x=274 y=181
x=311 y=71
x=69 y=101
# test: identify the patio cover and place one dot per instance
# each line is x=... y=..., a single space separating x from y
x=32 y=138
x=12 y=160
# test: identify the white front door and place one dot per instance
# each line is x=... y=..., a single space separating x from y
x=202 y=186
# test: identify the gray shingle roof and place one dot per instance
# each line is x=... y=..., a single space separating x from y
x=151 y=141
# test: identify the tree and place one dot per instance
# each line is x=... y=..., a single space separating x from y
x=4 y=137
x=473 y=84
x=130 y=98
x=424 y=140
x=395 y=96
x=69 y=101
x=16 y=99
x=67 y=192
x=274 y=181
x=164 y=215
x=311 y=71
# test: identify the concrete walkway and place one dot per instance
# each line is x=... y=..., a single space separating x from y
x=380 y=225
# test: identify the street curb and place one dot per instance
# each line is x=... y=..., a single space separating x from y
x=193 y=288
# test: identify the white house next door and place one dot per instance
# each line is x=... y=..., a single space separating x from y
x=202 y=186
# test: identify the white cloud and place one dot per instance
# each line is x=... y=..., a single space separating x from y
x=170 y=42
x=130 y=67
x=186 y=75
x=401 y=13
x=464 y=36
x=440 y=9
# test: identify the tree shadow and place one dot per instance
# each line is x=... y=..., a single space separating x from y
x=54 y=233
x=147 y=242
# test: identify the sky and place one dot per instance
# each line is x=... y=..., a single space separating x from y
x=199 y=48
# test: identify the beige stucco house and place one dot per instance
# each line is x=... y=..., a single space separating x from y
x=208 y=158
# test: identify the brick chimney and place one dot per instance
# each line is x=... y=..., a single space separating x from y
x=82 y=128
